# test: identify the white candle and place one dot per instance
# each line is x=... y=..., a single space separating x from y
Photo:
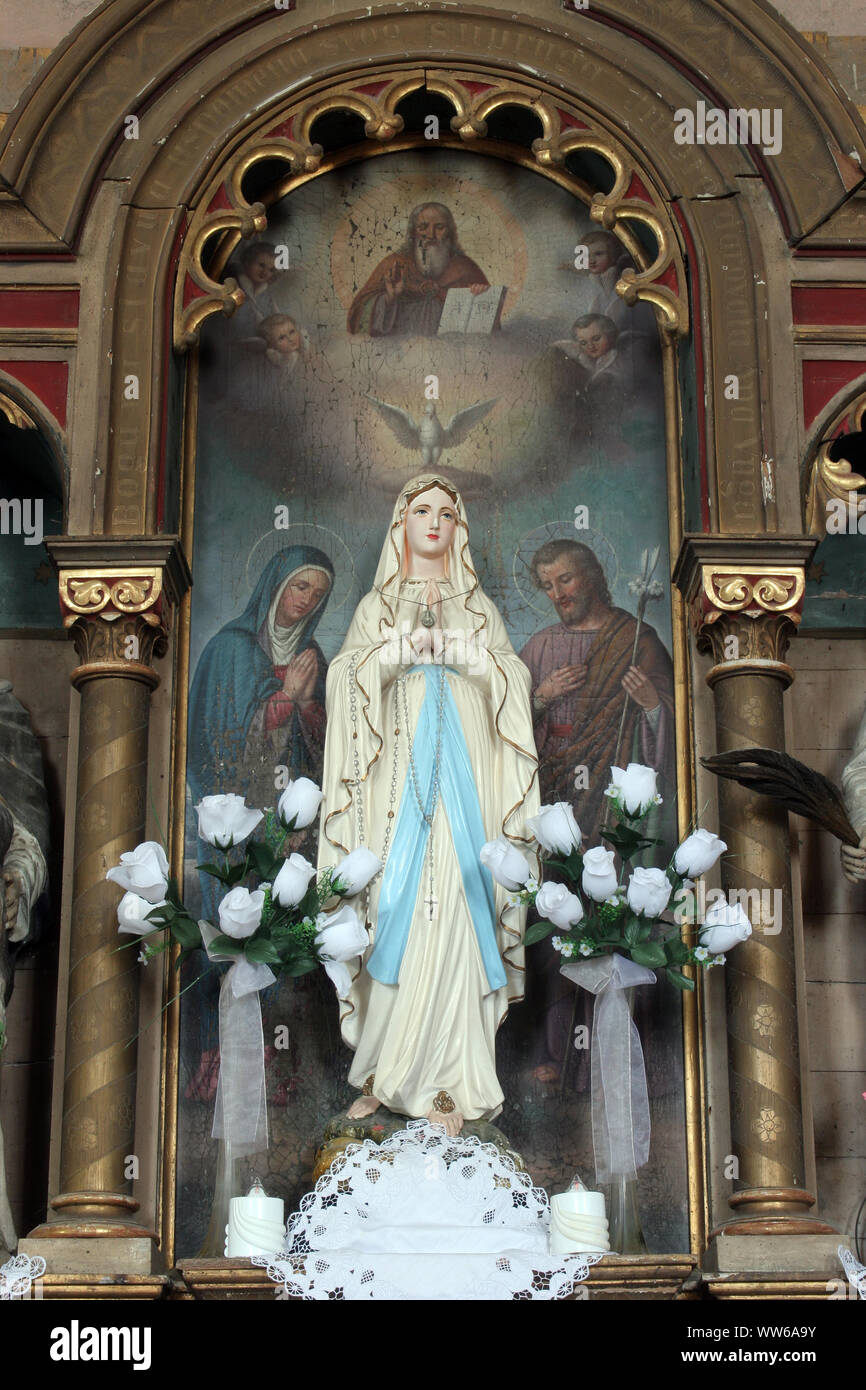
x=578 y=1222
x=256 y=1224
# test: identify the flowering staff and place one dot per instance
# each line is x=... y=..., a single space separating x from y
x=646 y=588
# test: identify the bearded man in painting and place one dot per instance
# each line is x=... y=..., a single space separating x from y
x=406 y=292
x=583 y=678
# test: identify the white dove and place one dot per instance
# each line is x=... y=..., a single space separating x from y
x=431 y=436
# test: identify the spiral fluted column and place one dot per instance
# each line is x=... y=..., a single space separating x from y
x=117 y=617
x=745 y=612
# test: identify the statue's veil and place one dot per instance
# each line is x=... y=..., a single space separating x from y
x=392 y=560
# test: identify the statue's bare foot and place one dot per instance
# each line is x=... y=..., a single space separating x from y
x=452 y=1123
x=445 y=1113
x=362 y=1107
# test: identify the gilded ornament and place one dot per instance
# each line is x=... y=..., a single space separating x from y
x=768 y=1126
x=474 y=97
x=765 y=1020
x=833 y=479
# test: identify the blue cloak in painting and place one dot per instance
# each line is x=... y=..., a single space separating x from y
x=234 y=678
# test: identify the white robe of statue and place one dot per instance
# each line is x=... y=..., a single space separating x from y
x=854 y=792
x=433 y=1029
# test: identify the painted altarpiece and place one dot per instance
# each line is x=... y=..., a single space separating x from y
x=297 y=461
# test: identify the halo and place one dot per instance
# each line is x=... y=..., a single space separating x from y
x=558 y=531
x=307 y=533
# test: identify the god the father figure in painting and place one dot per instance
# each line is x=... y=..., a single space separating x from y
x=429 y=753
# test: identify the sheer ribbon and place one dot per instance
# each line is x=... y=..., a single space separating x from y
x=241 y=1112
x=620 y=1105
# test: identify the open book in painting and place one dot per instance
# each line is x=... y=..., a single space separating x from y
x=465 y=312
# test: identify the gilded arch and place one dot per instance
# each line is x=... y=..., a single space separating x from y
x=205 y=85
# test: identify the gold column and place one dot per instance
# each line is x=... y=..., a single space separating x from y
x=117 y=616
x=745 y=599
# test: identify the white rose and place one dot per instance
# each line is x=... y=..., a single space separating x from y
x=648 y=891
x=132 y=912
x=226 y=820
x=240 y=912
x=557 y=905
x=293 y=880
x=300 y=803
x=633 y=786
x=698 y=853
x=599 y=875
x=143 y=870
x=507 y=865
x=355 y=871
x=341 y=937
x=724 y=926
x=555 y=828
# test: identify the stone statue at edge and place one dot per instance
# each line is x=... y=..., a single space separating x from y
x=23 y=845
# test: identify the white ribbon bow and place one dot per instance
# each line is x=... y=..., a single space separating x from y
x=241 y=1111
x=620 y=1104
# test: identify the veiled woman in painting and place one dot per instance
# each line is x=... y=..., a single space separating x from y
x=257 y=700
x=257 y=704
x=429 y=753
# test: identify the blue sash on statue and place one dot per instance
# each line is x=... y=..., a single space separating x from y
x=407 y=856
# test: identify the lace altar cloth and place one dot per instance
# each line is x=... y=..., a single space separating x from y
x=17 y=1275
x=479 y=1226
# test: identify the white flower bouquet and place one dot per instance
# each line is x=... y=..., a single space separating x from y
x=636 y=912
x=290 y=920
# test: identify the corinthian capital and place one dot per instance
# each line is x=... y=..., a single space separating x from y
x=745 y=599
x=116 y=598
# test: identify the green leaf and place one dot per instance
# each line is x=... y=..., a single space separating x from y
x=263 y=860
x=214 y=870
x=186 y=931
x=631 y=931
x=675 y=951
x=161 y=915
x=627 y=841
x=222 y=945
x=677 y=978
x=302 y=965
x=649 y=953
x=644 y=930
x=262 y=952
x=537 y=932
x=236 y=873
x=309 y=904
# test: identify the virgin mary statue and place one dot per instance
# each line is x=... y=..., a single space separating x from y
x=428 y=754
